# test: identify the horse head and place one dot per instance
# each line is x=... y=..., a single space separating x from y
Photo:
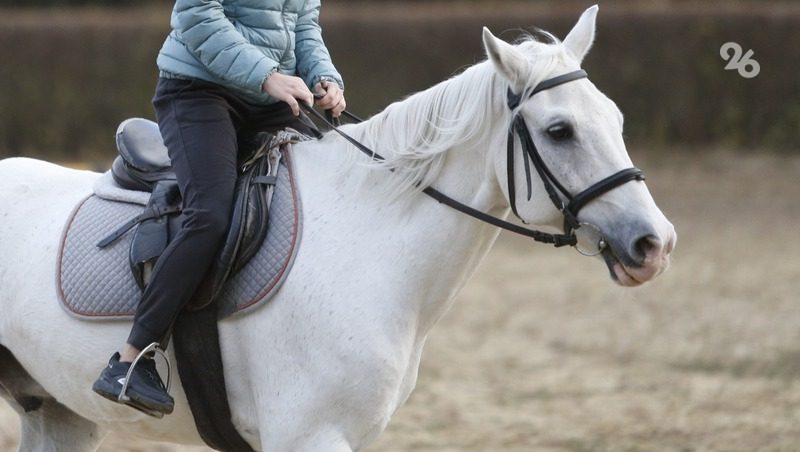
x=575 y=132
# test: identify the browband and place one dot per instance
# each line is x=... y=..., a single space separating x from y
x=515 y=99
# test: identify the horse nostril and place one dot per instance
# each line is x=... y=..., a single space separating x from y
x=670 y=245
x=645 y=248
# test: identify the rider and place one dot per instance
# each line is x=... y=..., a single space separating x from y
x=228 y=70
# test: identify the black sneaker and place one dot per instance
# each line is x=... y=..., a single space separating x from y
x=145 y=391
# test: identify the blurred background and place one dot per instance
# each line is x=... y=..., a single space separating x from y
x=541 y=351
x=72 y=70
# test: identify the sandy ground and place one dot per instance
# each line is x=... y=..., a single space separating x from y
x=542 y=352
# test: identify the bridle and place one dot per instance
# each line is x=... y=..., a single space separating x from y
x=552 y=186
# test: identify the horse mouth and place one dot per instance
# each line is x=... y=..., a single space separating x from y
x=630 y=275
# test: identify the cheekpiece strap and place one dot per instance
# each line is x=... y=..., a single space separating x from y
x=513 y=99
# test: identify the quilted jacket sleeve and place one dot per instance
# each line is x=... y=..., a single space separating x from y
x=313 y=59
x=213 y=39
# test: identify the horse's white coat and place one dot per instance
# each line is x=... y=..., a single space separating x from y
x=326 y=363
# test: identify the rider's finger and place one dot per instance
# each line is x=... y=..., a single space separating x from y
x=291 y=101
x=294 y=106
x=325 y=101
x=339 y=108
x=331 y=100
x=303 y=94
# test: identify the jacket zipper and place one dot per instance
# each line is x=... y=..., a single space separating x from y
x=286 y=31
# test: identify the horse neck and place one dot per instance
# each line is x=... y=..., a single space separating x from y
x=441 y=247
x=453 y=119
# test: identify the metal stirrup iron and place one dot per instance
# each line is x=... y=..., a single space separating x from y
x=154 y=347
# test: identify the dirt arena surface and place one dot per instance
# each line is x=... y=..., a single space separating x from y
x=543 y=353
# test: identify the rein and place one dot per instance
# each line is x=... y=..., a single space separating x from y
x=538 y=236
x=530 y=153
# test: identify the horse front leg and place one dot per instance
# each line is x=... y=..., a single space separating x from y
x=316 y=422
x=313 y=399
x=53 y=427
x=46 y=425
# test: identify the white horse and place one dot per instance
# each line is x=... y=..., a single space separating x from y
x=326 y=363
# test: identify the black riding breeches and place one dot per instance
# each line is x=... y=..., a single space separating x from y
x=203 y=125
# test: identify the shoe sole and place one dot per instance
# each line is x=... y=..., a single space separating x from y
x=156 y=411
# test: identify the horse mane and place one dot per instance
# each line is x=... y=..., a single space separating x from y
x=414 y=134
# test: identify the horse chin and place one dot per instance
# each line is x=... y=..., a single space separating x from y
x=632 y=276
x=620 y=275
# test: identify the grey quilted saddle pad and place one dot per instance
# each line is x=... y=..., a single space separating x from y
x=97 y=284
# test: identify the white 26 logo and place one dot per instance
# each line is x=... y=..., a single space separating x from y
x=746 y=65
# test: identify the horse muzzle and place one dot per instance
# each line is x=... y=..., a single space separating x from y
x=639 y=259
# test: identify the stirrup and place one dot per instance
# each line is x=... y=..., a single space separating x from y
x=123 y=396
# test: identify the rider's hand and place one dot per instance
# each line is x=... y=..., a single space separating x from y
x=289 y=89
x=332 y=97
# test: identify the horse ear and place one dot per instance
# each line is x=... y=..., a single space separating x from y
x=580 y=39
x=507 y=60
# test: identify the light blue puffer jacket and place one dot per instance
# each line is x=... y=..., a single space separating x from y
x=237 y=43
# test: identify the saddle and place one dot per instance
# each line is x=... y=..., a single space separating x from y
x=143 y=164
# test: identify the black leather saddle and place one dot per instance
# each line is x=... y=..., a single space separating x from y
x=143 y=164
x=143 y=160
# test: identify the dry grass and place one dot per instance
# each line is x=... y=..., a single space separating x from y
x=542 y=352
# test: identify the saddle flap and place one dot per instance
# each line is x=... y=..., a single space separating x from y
x=153 y=234
x=247 y=229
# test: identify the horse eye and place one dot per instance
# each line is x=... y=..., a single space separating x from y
x=560 y=132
